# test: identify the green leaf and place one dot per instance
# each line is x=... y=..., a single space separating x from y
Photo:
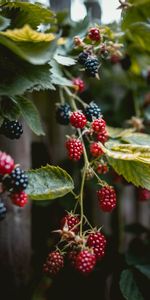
x=4 y=23
x=129 y=287
x=145 y=269
x=137 y=138
x=34 y=53
x=136 y=14
x=48 y=182
x=139 y=34
x=30 y=114
x=118 y=132
x=23 y=13
x=9 y=109
x=64 y=60
x=57 y=76
x=19 y=76
x=133 y=171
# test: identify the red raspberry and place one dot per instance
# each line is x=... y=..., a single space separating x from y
x=143 y=194
x=71 y=221
x=75 y=148
x=107 y=198
x=54 y=263
x=79 y=84
x=102 y=169
x=96 y=150
x=78 y=119
x=94 y=34
x=85 y=262
x=99 y=125
x=97 y=242
x=6 y=163
x=19 y=199
x=102 y=137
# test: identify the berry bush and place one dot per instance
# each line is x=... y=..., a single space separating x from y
x=98 y=120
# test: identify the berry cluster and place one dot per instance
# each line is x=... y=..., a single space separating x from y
x=82 y=251
x=11 y=129
x=90 y=63
x=13 y=180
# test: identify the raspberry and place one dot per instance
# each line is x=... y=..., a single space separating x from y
x=19 y=199
x=3 y=211
x=102 y=168
x=62 y=114
x=85 y=262
x=79 y=84
x=143 y=194
x=16 y=181
x=97 y=242
x=96 y=150
x=82 y=58
x=125 y=62
x=107 y=198
x=99 y=125
x=11 y=129
x=102 y=137
x=71 y=221
x=54 y=263
x=78 y=119
x=92 y=111
x=6 y=163
x=94 y=34
x=91 y=67
x=75 y=148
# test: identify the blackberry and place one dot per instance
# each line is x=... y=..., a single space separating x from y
x=91 y=67
x=92 y=111
x=17 y=181
x=3 y=211
x=125 y=62
x=11 y=129
x=82 y=58
x=63 y=113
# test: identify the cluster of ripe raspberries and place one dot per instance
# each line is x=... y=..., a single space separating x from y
x=11 y=129
x=13 y=180
x=82 y=252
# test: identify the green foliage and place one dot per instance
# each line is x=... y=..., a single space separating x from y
x=139 y=34
x=57 y=75
x=9 y=109
x=129 y=287
x=30 y=114
x=137 y=138
x=48 y=183
x=22 y=13
x=64 y=60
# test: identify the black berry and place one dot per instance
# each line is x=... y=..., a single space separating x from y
x=63 y=114
x=92 y=111
x=82 y=58
x=17 y=181
x=91 y=67
x=3 y=211
x=11 y=129
x=125 y=63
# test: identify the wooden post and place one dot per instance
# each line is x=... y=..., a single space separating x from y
x=58 y=5
x=94 y=8
x=15 y=230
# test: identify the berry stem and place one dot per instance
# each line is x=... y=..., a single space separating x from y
x=62 y=100
x=71 y=95
x=101 y=182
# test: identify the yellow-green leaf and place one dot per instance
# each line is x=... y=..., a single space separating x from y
x=27 y=34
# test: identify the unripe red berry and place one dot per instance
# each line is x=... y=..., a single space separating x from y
x=79 y=84
x=6 y=163
x=107 y=198
x=54 y=263
x=102 y=169
x=85 y=262
x=96 y=150
x=78 y=119
x=143 y=194
x=97 y=242
x=115 y=59
x=75 y=148
x=19 y=199
x=94 y=34
x=71 y=221
x=99 y=125
x=102 y=137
